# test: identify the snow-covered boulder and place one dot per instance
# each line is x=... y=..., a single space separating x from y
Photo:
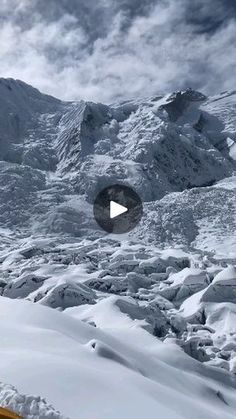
x=152 y=265
x=185 y=283
x=108 y=283
x=192 y=346
x=68 y=295
x=23 y=286
x=222 y=288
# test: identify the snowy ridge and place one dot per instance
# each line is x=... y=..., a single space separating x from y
x=28 y=407
x=146 y=308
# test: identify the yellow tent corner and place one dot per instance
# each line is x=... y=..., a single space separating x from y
x=7 y=414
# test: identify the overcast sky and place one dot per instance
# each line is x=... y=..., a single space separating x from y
x=104 y=50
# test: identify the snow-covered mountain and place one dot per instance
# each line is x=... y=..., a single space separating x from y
x=140 y=319
x=56 y=156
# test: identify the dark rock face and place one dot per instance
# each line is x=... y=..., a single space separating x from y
x=178 y=102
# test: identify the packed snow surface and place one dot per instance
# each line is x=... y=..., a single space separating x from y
x=103 y=326
x=89 y=372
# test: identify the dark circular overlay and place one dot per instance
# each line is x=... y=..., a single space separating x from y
x=122 y=195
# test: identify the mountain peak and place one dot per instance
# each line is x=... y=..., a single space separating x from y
x=178 y=102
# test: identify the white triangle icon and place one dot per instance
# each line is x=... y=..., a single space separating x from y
x=116 y=209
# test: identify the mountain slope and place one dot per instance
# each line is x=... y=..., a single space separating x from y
x=138 y=320
x=66 y=152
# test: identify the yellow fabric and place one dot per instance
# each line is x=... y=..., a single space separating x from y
x=7 y=414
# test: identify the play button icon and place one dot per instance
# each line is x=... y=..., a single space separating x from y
x=117 y=209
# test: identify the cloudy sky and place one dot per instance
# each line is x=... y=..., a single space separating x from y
x=104 y=50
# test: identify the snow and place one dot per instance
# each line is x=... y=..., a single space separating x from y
x=29 y=407
x=125 y=375
x=67 y=152
x=105 y=326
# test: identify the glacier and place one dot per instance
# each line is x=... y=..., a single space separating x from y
x=108 y=326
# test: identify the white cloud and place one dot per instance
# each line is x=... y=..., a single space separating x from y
x=73 y=56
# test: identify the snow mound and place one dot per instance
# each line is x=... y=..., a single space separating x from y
x=79 y=361
x=67 y=295
x=185 y=283
x=222 y=288
x=28 y=407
